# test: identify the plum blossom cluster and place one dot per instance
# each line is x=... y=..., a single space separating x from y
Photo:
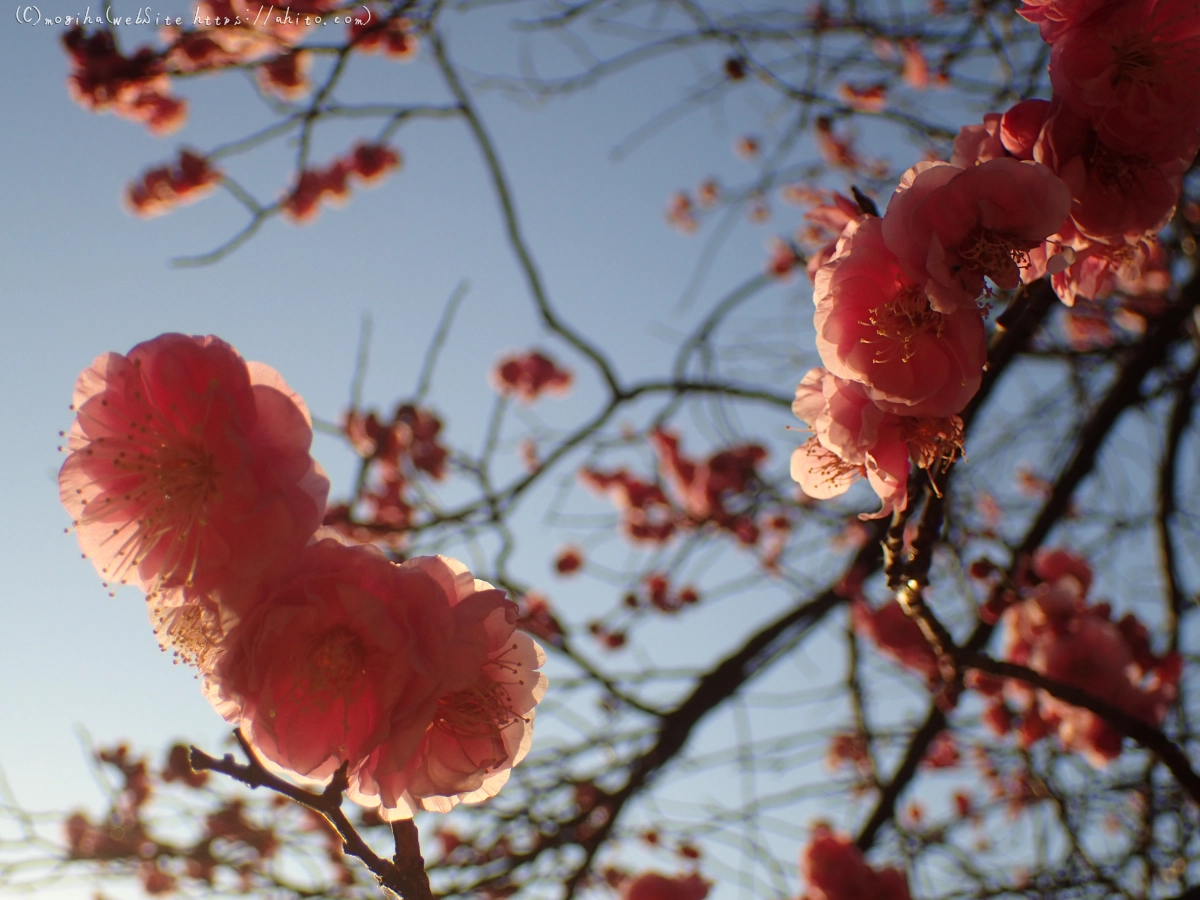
x=189 y=476
x=655 y=594
x=1054 y=630
x=1121 y=128
x=1075 y=187
x=898 y=325
x=365 y=165
x=161 y=189
x=227 y=34
x=396 y=452
x=1050 y=627
x=530 y=375
x=222 y=34
x=716 y=492
x=234 y=846
x=834 y=869
x=134 y=87
x=897 y=636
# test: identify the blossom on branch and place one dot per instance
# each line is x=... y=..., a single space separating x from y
x=482 y=722
x=1054 y=631
x=875 y=326
x=529 y=375
x=854 y=438
x=188 y=467
x=835 y=870
x=134 y=87
x=950 y=227
x=160 y=190
x=653 y=886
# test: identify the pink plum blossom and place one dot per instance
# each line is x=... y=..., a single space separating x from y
x=951 y=227
x=896 y=636
x=1054 y=631
x=854 y=438
x=481 y=723
x=834 y=869
x=345 y=650
x=189 y=467
x=653 y=886
x=978 y=143
x=1114 y=194
x=1132 y=71
x=875 y=326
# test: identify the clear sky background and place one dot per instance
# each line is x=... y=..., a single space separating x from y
x=80 y=276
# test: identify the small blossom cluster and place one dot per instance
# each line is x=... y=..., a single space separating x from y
x=134 y=87
x=655 y=886
x=223 y=34
x=1052 y=629
x=897 y=636
x=656 y=594
x=395 y=453
x=189 y=476
x=366 y=164
x=714 y=492
x=834 y=869
x=393 y=37
x=232 y=847
x=1074 y=187
x=160 y=190
x=684 y=208
x=530 y=375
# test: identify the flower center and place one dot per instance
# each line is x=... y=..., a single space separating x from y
x=156 y=487
x=481 y=712
x=1116 y=172
x=1134 y=61
x=934 y=443
x=900 y=323
x=333 y=666
x=191 y=630
x=831 y=469
x=995 y=255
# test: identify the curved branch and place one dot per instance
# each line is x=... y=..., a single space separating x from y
x=405 y=875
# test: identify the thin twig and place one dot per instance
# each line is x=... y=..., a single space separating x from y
x=405 y=876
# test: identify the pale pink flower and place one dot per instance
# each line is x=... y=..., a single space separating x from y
x=834 y=869
x=1132 y=71
x=481 y=724
x=653 y=886
x=344 y=651
x=952 y=227
x=189 y=467
x=875 y=326
x=854 y=439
